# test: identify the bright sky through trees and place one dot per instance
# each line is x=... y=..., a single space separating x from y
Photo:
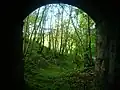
x=53 y=13
x=55 y=9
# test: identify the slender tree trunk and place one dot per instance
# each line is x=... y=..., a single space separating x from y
x=61 y=45
x=26 y=33
x=44 y=15
x=32 y=33
x=66 y=34
x=89 y=34
x=49 y=40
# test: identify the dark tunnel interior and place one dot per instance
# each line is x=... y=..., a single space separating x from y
x=104 y=13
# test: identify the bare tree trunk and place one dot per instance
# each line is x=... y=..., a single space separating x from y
x=34 y=28
x=61 y=45
x=49 y=40
x=41 y=34
x=89 y=34
x=25 y=34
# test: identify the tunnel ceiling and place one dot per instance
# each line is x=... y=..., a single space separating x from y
x=97 y=9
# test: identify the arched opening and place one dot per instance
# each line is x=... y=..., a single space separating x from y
x=59 y=43
x=98 y=10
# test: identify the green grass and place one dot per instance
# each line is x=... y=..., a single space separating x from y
x=65 y=75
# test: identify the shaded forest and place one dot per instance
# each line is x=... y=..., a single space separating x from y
x=60 y=50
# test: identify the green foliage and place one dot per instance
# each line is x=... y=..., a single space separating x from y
x=59 y=57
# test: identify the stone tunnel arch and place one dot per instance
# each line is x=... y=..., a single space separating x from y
x=89 y=7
